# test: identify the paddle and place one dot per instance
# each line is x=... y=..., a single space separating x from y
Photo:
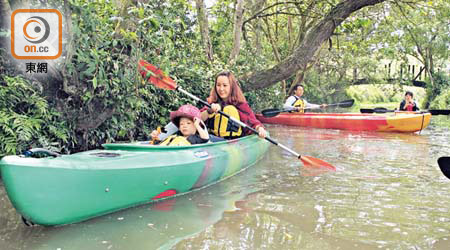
x=157 y=78
x=444 y=164
x=376 y=110
x=439 y=111
x=385 y=110
x=275 y=112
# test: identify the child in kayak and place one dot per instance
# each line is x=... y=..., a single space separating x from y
x=192 y=130
x=408 y=104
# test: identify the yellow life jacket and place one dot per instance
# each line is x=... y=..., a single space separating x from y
x=175 y=140
x=300 y=104
x=220 y=125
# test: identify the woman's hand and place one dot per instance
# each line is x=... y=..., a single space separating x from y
x=215 y=107
x=262 y=132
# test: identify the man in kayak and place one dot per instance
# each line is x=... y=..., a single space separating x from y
x=297 y=103
x=408 y=104
x=191 y=131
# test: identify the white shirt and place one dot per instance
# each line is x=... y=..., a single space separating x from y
x=291 y=100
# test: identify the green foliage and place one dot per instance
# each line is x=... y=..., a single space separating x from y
x=438 y=95
x=265 y=98
x=417 y=32
x=442 y=101
x=105 y=61
x=26 y=120
x=384 y=93
x=102 y=98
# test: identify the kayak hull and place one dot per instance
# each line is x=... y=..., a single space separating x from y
x=73 y=188
x=393 y=122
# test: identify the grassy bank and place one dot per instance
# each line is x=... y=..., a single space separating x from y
x=383 y=95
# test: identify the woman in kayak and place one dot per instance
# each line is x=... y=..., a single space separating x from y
x=227 y=96
x=408 y=104
x=191 y=131
x=297 y=103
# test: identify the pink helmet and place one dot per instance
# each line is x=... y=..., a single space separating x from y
x=186 y=110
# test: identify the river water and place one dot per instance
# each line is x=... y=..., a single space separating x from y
x=387 y=193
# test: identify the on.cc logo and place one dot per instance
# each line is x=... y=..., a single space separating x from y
x=37 y=29
x=36 y=34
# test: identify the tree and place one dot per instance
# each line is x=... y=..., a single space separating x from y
x=421 y=31
x=304 y=53
x=237 y=30
x=204 y=30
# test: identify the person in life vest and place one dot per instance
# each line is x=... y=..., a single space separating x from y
x=297 y=103
x=408 y=104
x=188 y=120
x=227 y=96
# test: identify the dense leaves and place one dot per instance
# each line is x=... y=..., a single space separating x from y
x=97 y=96
x=26 y=120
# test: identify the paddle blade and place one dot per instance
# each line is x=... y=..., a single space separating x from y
x=366 y=111
x=270 y=112
x=155 y=76
x=346 y=104
x=311 y=162
x=382 y=110
x=444 y=164
x=439 y=111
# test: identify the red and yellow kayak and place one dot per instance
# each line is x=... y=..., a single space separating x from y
x=388 y=122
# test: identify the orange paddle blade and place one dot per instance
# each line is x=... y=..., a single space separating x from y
x=312 y=162
x=155 y=76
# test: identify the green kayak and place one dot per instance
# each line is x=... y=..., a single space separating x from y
x=72 y=188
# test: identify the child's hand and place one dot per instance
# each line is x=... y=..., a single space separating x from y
x=155 y=134
x=201 y=128
x=199 y=124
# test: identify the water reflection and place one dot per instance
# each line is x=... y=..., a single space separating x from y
x=388 y=193
x=154 y=226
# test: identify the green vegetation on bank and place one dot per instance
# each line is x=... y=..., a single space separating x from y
x=26 y=120
x=384 y=95
x=94 y=94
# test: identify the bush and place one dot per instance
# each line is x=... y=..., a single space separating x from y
x=437 y=94
x=442 y=101
x=384 y=93
x=26 y=120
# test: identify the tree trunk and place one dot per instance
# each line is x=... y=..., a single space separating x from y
x=123 y=12
x=204 y=30
x=304 y=53
x=275 y=51
x=237 y=31
x=5 y=17
x=70 y=48
x=258 y=5
x=5 y=12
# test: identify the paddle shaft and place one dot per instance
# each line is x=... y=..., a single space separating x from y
x=284 y=110
x=334 y=104
x=239 y=122
x=277 y=111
